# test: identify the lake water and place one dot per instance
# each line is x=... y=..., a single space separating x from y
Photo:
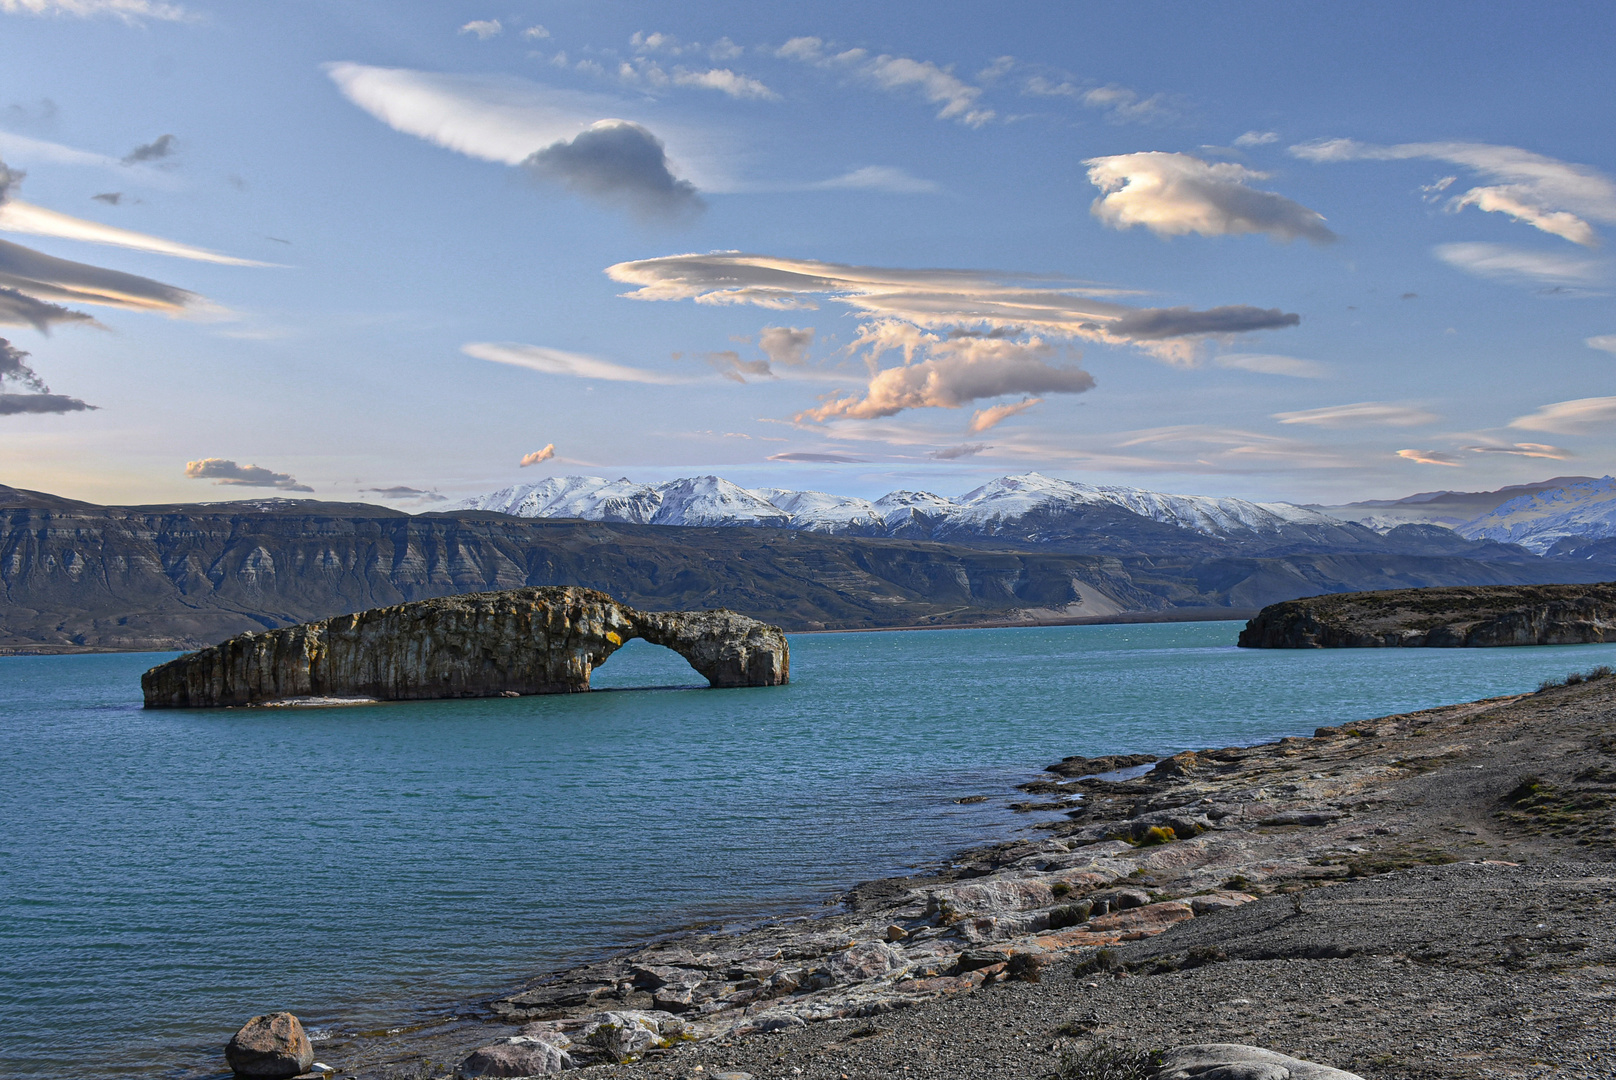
x=164 y=875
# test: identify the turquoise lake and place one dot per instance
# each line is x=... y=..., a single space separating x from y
x=164 y=875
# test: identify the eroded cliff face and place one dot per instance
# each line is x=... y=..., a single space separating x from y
x=520 y=641
x=1439 y=618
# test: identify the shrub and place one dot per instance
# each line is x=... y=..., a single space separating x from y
x=1100 y=960
x=1158 y=834
x=1102 y=1061
x=1061 y=888
x=1070 y=914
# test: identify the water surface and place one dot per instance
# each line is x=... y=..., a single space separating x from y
x=166 y=874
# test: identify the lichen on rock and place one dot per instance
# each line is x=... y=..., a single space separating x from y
x=516 y=642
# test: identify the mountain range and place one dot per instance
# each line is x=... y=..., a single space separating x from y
x=1020 y=549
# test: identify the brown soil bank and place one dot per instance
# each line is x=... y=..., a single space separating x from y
x=1423 y=896
x=1441 y=617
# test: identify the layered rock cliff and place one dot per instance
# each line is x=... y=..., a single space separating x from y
x=520 y=641
x=1443 y=618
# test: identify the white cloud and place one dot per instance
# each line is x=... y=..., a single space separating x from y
x=1505 y=263
x=725 y=81
x=20 y=217
x=537 y=456
x=983 y=419
x=127 y=10
x=956 y=98
x=1269 y=364
x=1558 y=197
x=536 y=32
x=956 y=372
x=1569 y=417
x=1360 y=414
x=1257 y=138
x=227 y=473
x=808 y=50
x=1605 y=342
x=1174 y=194
x=879 y=178
x=1120 y=104
x=1429 y=457
x=1524 y=449
x=558 y=362
x=942 y=299
x=483 y=28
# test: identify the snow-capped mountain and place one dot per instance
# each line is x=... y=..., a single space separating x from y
x=1537 y=521
x=996 y=508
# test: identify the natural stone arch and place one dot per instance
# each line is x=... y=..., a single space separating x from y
x=521 y=641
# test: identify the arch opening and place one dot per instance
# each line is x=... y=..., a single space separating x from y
x=639 y=664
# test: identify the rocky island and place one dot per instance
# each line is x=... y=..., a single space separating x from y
x=1449 y=617
x=492 y=644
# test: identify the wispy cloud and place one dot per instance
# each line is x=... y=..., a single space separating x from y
x=1557 y=197
x=226 y=473
x=728 y=363
x=1523 y=449
x=1360 y=414
x=14 y=368
x=956 y=99
x=1120 y=104
x=879 y=178
x=1256 y=138
x=404 y=493
x=1175 y=194
x=992 y=416
x=1430 y=457
x=21 y=217
x=1502 y=262
x=543 y=454
x=1569 y=417
x=786 y=345
x=559 y=362
x=1270 y=364
x=954 y=453
x=483 y=28
x=1604 y=342
x=31 y=282
x=817 y=459
x=132 y=11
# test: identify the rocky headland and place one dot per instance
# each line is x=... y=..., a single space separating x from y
x=510 y=643
x=1428 y=895
x=1470 y=616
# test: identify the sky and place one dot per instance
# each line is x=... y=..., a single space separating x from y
x=408 y=252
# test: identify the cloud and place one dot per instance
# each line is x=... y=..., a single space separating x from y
x=956 y=98
x=618 y=162
x=483 y=28
x=952 y=453
x=786 y=345
x=1557 y=197
x=1119 y=103
x=983 y=419
x=725 y=81
x=1429 y=457
x=1256 y=138
x=822 y=459
x=10 y=179
x=1268 y=364
x=1525 y=449
x=557 y=362
x=879 y=178
x=536 y=32
x=111 y=198
x=945 y=299
x=538 y=455
x=400 y=491
x=21 y=217
x=729 y=364
x=14 y=366
x=131 y=11
x=18 y=309
x=45 y=279
x=1569 y=417
x=1604 y=342
x=1360 y=414
x=1175 y=194
x=226 y=473
x=955 y=373
x=1504 y=263
x=158 y=148
x=809 y=50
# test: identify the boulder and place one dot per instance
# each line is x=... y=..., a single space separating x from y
x=1231 y=1061
x=519 y=1055
x=272 y=1045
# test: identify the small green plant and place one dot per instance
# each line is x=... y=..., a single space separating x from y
x=1102 y=1061
x=1061 y=888
x=1238 y=883
x=1070 y=914
x=1158 y=834
x=1100 y=960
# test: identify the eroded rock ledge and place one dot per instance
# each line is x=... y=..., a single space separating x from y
x=1441 y=617
x=521 y=641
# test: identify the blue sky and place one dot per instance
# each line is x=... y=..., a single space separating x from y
x=379 y=249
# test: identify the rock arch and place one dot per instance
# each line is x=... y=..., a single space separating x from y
x=521 y=641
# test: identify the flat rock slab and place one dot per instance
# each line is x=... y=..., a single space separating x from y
x=1231 y=1061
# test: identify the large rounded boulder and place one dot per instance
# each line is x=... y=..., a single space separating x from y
x=272 y=1045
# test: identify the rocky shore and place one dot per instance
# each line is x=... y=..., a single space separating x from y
x=1419 y=896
